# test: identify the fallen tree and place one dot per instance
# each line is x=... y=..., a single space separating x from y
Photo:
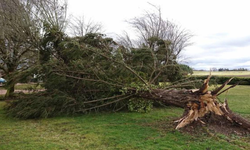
x=95 y=73
x=198 y=104
x=93 y=78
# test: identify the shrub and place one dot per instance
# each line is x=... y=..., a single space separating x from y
x=41 y=105
x=223 y=79
x=140 y=105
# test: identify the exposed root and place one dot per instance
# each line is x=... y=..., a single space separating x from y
x=234 y=118
x=207 y=104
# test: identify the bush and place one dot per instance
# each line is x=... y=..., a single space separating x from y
x=41 y=105
x=223 y=79
x=140 y=105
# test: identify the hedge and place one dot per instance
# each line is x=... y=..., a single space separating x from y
x=223 y=79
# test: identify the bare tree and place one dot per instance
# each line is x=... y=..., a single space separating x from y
x=51 y=12
x=164 y=39
x=151 y=24
x=126 y=41
x=79 y=26
x=18 y=42
x=23 y=24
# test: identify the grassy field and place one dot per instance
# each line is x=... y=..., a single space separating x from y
x=224 y=73
x=25 y=86
x=238 y=99
x=123 y=130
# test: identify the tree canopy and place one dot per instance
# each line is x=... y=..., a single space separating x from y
x=91 y=71
x=18 y=41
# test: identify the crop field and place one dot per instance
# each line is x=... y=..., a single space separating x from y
x=224 y=73
x=122 y=130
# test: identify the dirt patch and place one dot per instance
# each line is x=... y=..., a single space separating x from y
x=2 y=92
x=216 y=125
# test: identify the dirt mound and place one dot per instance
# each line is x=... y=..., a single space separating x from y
x=210 y=125
x=214 y=125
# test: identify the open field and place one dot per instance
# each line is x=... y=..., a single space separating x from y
x=224 y=73
x=26 y=86
x=123 y=130
x=23 y=87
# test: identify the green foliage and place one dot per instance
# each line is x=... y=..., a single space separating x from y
x=92 y=68
x=42 y=105
x=223 y=79
x=142 y=60
x=140 y=105
x=186 y=69
x=80 y=73
x=170 y=73
x=139 y=87
x=86 y=69
x=51 y=40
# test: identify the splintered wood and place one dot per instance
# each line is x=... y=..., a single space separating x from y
x=207 y=104
x=200 y=104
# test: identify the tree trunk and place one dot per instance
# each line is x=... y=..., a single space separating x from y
x=10 y=91
x=198 y=104
x=10 y=88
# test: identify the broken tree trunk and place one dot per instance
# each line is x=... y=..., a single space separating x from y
x=197 y=103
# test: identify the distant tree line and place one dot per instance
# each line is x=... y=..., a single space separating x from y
x=226 y=69
x=223 y=69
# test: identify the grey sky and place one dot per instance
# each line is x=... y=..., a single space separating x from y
x=220 y=27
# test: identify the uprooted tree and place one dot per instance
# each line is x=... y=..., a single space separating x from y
x=200 y=104
x=95 y=73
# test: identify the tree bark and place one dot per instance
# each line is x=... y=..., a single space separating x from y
x=10 y=91
x=198 y=104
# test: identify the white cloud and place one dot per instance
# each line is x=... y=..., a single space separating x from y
x=221 y=27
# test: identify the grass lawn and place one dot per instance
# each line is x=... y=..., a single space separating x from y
x=25 y=86
x=122 y=130
x=224 y=73
x=238 y=99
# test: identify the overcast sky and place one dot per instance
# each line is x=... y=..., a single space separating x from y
x=221 y=28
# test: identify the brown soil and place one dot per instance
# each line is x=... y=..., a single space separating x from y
x=215 y=125
x=2 y=92
x=212 y=127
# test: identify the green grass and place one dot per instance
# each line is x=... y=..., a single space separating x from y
x=123 y=130
x=25 y=86
x=224 y=73
x=238 y=99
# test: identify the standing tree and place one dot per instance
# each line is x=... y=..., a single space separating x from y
x=80 y=27
x=18 y=42
x=23 y=22
x=51 y=13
